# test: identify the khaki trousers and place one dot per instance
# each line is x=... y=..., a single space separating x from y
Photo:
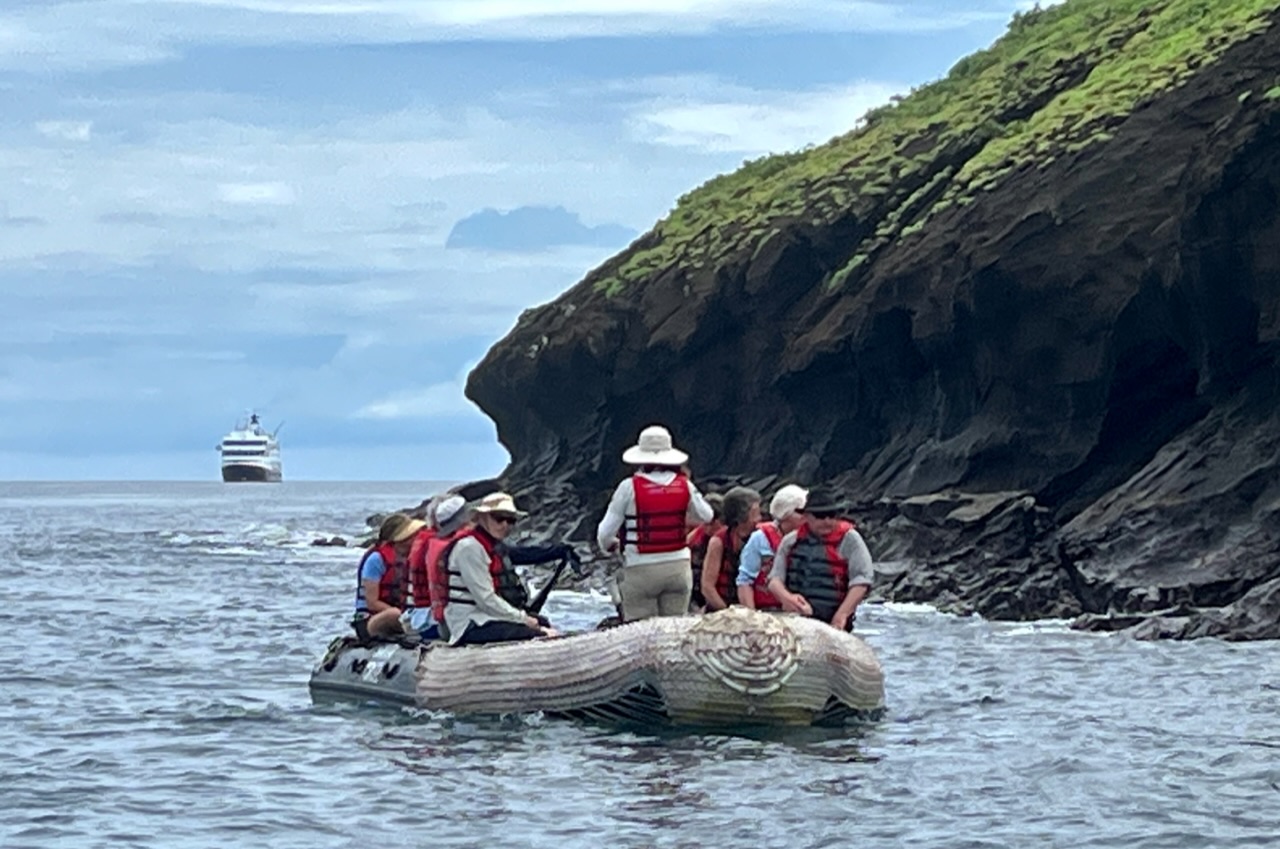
x=656 y=589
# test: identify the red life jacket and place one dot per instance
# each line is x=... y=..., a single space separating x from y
x=437 y=575
x=727 y=580
x=659 y=524
x=419 y=584
x=816 y=570
x=697 y=542
x=392 y=585
x=506 y=582
x=766 y=600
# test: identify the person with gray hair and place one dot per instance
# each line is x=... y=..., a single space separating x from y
x=447 y=515
x=741 y=514
x=786 y=512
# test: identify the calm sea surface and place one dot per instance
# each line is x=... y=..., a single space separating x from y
x=153 y=693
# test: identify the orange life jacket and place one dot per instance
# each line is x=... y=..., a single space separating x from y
x=658 y=525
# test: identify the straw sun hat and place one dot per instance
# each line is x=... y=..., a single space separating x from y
x=499 y=503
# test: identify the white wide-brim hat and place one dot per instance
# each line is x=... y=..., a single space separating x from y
x=499 y=502
x=654 y=448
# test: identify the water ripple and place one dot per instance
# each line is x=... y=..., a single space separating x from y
x=162 y=702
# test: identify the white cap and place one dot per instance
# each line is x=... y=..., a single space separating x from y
x=449 y=508
x=788 y=500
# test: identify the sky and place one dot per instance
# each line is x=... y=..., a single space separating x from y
x=328 y=210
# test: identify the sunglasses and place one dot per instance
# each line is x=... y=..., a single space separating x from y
x=824 y=514
x=506 y=520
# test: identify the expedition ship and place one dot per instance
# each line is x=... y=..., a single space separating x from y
x=249 y=453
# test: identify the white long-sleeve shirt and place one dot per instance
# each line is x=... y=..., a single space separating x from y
x=623 y=504
x=471 y=561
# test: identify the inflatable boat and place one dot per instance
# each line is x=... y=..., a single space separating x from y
x=731 y=668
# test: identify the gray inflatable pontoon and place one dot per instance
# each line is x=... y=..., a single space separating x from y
x=731 y=668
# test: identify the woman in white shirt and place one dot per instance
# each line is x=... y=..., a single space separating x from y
x=650 y=515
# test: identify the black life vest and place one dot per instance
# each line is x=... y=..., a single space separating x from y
x=816 y=570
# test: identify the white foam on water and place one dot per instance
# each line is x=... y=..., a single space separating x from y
x=1024 y=629
x=912 y=608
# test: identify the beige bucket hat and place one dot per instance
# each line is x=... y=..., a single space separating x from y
x=399 y=527
x=654 y=448
x=499 y=502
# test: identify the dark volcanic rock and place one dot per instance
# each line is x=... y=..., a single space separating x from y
x=1056 y=399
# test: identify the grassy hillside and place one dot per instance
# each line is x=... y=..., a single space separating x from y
x=1059 y=80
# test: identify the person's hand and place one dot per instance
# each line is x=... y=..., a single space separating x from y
x=796 y=603
x=532 y=622
x=550 y=632
x=840 y=621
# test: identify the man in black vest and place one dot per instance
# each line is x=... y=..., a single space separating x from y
x=823 y=569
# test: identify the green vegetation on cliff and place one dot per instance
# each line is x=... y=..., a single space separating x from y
x=1059 y=80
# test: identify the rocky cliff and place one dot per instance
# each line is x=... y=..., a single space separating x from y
x=1027 y=317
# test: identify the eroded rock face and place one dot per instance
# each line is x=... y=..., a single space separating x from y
x=1058 y=400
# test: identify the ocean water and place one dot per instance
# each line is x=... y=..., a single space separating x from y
x=153 y=693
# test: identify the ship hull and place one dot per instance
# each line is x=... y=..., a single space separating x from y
x=244 y=473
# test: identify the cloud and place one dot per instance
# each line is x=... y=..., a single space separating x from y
x=753 y=121
x=271 y=194
x=141 y=219
x=531 y=229
x=440 y=399
x=239 y=225
x=104 y=33
x=19 y=221
x=72 y=131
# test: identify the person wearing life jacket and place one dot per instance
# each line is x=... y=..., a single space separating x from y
x=648 y=517
x=418 y=593
x=786 y=514
x=382 y=578
x=741 y=515
x=697 y=541
x=446 y=515
x=485 y=596
x=823 y=568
